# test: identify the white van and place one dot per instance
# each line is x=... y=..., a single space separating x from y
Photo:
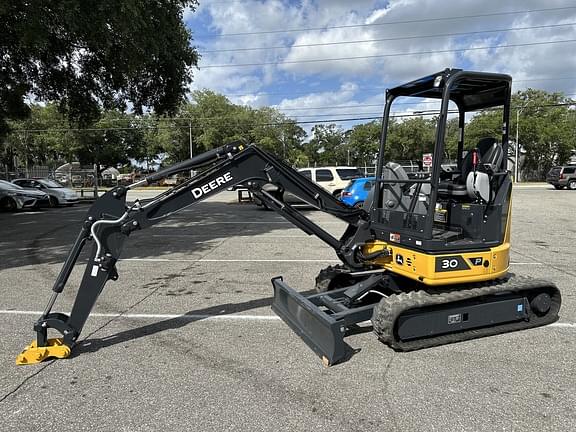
x=333 y=179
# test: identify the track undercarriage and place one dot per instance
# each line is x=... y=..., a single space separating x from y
x=409 y=316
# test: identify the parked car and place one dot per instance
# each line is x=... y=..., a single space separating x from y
x=357 y=190
x=173 y=180
x=333 y=179
x=58 y=194
x=562 y=176
x=14 y=197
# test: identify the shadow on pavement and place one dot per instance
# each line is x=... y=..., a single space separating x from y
x=46 y=237
x=92 y=345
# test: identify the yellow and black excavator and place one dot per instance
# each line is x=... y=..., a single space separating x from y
x=426 y=259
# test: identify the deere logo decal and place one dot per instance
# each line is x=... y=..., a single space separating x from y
x=211 y=185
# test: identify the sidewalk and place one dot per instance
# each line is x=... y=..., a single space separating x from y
x=532 y=185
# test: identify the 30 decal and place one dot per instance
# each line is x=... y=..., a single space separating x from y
x=451 y=263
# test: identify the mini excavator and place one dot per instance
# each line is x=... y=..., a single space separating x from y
x=426 y=259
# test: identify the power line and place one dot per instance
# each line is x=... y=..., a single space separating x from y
x=332 y=120
x=360 y=105
x=227 y=65
x=388 y=39
x=368 y=89
x=413 y=21
x=335 y=107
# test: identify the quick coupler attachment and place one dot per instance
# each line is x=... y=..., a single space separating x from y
x=43 y=348
x=33 y=354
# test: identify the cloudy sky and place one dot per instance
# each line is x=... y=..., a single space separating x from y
x=330 y=59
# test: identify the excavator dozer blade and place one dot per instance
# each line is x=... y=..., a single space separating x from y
x=321 y=332
x=32 y=354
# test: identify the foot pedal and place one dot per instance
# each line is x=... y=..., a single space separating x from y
x=33 y=354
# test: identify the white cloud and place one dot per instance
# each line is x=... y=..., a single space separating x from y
x=523 y=63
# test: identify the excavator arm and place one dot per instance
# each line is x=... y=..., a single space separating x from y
x=110 y=221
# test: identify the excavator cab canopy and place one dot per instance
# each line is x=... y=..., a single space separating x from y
x=436 y=208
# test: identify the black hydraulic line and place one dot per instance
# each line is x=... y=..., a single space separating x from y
x=71 y=259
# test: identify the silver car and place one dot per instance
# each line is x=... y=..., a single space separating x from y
x=59 y=195
x=14 y=197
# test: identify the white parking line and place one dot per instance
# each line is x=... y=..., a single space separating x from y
x=239 y=235
x=202 y=260
x=563 y=325
x=230 y=317
x=187 y=224
x=161 y=316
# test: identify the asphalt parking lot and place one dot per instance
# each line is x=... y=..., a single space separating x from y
x=230 y=364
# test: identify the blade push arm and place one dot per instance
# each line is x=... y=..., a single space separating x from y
x=110 y=221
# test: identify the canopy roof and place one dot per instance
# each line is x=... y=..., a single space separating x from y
x=469 y=90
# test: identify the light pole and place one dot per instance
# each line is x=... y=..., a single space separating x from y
x=516 y=148
x=192 y=172
x=517 y=144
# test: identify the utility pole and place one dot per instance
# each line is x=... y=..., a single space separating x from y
x=192 y=172
x=517 y=145
x=516 y=148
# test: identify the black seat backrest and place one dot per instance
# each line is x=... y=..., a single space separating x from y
x=485 y=146
x=493 y=157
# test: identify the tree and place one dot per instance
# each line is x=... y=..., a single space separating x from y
x=212 y=120
x=326 y=147
x=274 y=132
x=88 y=54
x=409 y=139
x=451 y=138
x=484 y=124
x=545 y=129
x=113 y=141
x=364 y=143
x=37 y=139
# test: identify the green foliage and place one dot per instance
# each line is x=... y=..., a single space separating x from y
x=88 y=54
x=483 y=125
x=326 y=147
x=114 y=146
x=451 y=139
x=38 y=139
x=212 y=120
x=545 y=129
x=409 y=139
x=364 y=143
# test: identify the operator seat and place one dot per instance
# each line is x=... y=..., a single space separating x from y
x=490 y=155
x=481 y=185
x=393 y=196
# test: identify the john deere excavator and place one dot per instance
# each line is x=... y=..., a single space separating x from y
x=426 y=259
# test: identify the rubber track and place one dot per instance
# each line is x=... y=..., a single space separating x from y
x=389 y=309
x=332 y=277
